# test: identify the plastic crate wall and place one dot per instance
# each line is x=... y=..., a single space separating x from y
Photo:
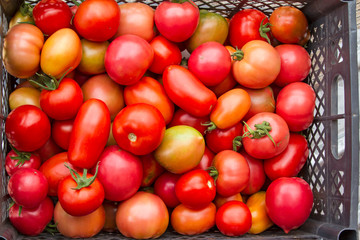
x=332 y=169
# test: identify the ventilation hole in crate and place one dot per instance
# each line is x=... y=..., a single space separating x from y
x=336 y=51
x=335 y=25
x=337 y=186
x=336 y=210
x=319 y=207
x=338 y=138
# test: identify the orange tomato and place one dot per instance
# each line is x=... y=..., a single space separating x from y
x=257 y=207
x=93 y=55
x=220 y=200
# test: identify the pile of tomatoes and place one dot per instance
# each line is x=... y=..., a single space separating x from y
x=133 y=119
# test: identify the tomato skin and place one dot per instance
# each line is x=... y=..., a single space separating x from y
x=32 y=222
x=295 y=64
x=61 y=132
x=188 y=221
x=166 y=53
x=21 y=50
x=124 y=66
x=79 y=227
x=227 y=84
x=28 y=187
x=150 y=91
x=183 y=118
x=290 y=161
x=32 y=133
x=113 y=161
x=220 y=200
x=280 y=134
x=64 y=102
x=296 y=104
x=164 y=187
x=230 y=108
x=195 y=189
x=244 y=27
x=11 y=164
x=233 y=218
x=257 y=174
x=180 y=26
x=151 y=170
x=93 y=55
x=233 y=172
x=52 y=15
x=260 y=219
x=49 y=149
x=24 y=96
x=188 y=92
x=206 y=160
x=147 y=210
x=223 y=139
x=285 y=196
x=97 y=20
x=265 y=65
x=90 y=134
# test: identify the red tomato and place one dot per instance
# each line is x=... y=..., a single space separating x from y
x=288 y=24
x=259 y=66
x=49 y=149
x=90 y=134
x=16 y=160
x=257 y=174
x=284 y=197
x=210 y=63
x=232 y=171
x=97 y=20
x=62 y=102
x=164 y=187
x=127 y=59
x=220 y=200
x=27 y=128
x=255 y=135
x=52 y=15
x=139 y=128
x=151 y=170
x=166 y=53
x=224 y=139
x=195 y=189
x=296 y=103
x=61 y=132
x=28 y=187
x=150 y=91
x=227 y=84
x=117 y=186
x=188 y=221
x=32 y=221
x=290 y=161
x=247 y=25
x=183 y=118
x=233 y=218
x=180 y=26
x=188 y=92
x=206 y=160
x=149 y=213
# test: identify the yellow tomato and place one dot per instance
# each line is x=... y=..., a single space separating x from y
x=93 y=55
x=24 y=96
x=257 y=207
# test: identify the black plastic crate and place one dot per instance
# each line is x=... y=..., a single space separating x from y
x=332 y=169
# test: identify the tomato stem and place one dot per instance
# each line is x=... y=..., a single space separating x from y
x=26 y=9
x=261 y=130
x=211 y=126
x=238 y=55
x=82 y=181
x=237 y=143
x=76 y=2
x=214 y=173
x=264 y=28
x=51 y=228
x=22 y=157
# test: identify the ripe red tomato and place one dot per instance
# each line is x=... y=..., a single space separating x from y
x=113 y=161
x=183 y=118
x=232 y=171
x=247 y=25
x=16 y=160
x=224 y=139
x=61 y=132
x=227 y=84
x=270 y=147
x=90 y=133
x=49 y=149
x=188 y=221
x=28 y=187
x=164 y=187
x=220 y=200
x=206 y=160
x=285 y=196
x=295 y=104
x=290 y=161
x=210 y=63
x=180 y=26
x=195 y=189
x=233 y=218
x=97 y=20
x=27 y=128
x=52 y=15
x=151 y=169
x=32 y=221
x=188 y=92
x=257 y=174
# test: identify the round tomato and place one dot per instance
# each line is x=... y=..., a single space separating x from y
x=164 y=187
x=188 y=221
x=295 y=104
x=97 y=20
x=183 y=118
x=206 y=160
x=24 y=96
x=257 y=174
x=220 y=200
x=61 y=132
x=93 y=55
x=151 y=169
x=27 y=128
x=224 y=139
x=260 y=219
x=16 y=160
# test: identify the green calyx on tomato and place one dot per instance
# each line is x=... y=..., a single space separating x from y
x=47 y=82
x=261 y=130
x=211 y=126
x=238 y=55
x=22 y=157
x=214 y=173
x=237 y=143
x=82 y=181
x=51 y=228
x=264 y=28
x=26 y=9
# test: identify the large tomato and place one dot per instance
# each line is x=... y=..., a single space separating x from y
x=61 y=132
x=16 y=160
x=183 y=118
x=97 y=20
x=164 y=187
x=21 y=50
x=150 y=91
x=24 y=96
x=257 y=66
x=188 y=92
x=90 y=133
x=257 y=174
x=267 y=130
x=224 y=139
x=93 y=55
x=120 y=173
x=188 y=221
x=149 y=213
x=27 y=128
x=296 y=103
x=127 y=59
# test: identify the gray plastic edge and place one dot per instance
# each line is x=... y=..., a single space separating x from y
x=7 y=231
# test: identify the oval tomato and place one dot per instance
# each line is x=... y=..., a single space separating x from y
x=260 y=219
x=93 y=55
x=164 y=187
x=224 y=139
x=61 y=132
x=257 y=174
x=24 y=96
x=183 y=118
